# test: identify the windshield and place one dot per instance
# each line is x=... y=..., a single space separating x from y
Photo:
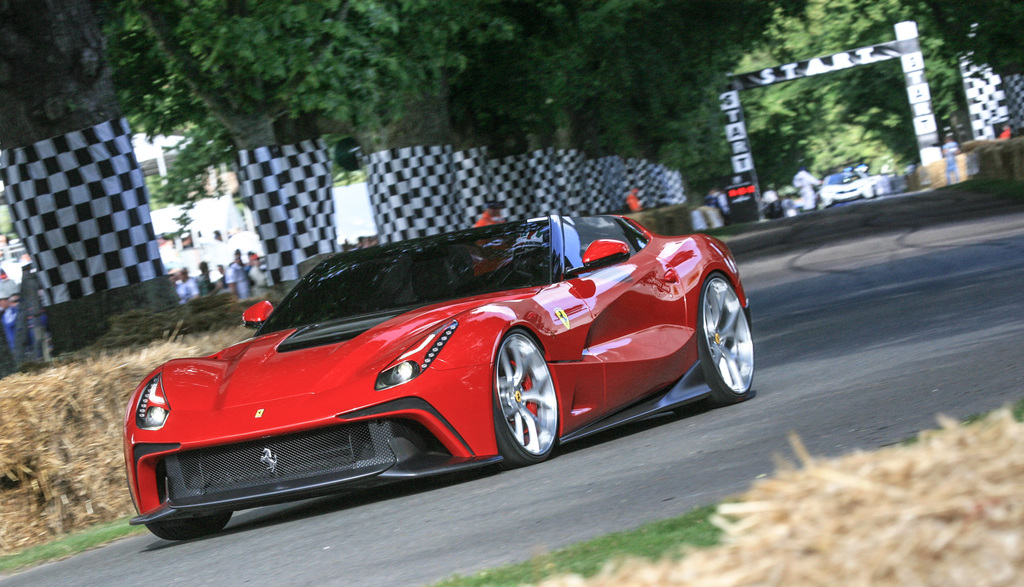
x=842 y=178
x=418 y=272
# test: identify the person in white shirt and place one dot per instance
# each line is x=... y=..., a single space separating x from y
x=186 y=287
x=805 y=182
x=236 y=279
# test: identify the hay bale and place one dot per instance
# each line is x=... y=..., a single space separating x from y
x=61 y=463
x=137 y=328
x=948 y=510
x=1001 y=159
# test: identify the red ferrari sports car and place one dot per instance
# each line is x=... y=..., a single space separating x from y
x=490 y=345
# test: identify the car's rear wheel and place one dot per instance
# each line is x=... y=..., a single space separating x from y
x=724 y=342
x=525 y=403
x=187 y=528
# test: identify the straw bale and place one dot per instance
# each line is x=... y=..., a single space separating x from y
x=1001 y=159
x=61 y=463
x=136 y=328
x=947 y=510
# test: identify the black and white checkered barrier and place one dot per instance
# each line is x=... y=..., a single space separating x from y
x=411 y=192
x=986 y=100
x=288 y=189
x=80 y=205
x=1013 y=86
x=421 y=191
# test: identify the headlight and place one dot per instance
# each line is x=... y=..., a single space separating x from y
x=153 y=408
x=416 y=360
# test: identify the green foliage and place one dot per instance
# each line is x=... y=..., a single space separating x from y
x=987 y=30
x=631 y=77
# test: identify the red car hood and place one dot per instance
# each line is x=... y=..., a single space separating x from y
x=256 y=372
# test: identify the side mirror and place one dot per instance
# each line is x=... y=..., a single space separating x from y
x=257 y=314
x=601 y=253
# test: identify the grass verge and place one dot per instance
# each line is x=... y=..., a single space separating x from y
x=1003 y=188
x=651 y=541
x=71 y=544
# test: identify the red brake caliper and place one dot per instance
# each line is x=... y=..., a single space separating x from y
x=527 y=386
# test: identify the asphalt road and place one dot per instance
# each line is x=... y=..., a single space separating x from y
x=869 y=321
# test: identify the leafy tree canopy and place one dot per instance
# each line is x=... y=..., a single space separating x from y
x=989 y=31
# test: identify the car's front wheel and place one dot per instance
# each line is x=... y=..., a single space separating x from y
x=187 y=528
x=525 y=403
x=724 y=342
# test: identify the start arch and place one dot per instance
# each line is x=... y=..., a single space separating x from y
x=744 y=186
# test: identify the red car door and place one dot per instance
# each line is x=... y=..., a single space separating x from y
x=638 y=331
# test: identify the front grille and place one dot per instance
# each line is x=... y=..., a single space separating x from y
x=269 y=461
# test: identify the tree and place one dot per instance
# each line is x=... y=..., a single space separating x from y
x=54 y=80
x=989 y=31
x=634 y=77
x=638 y=78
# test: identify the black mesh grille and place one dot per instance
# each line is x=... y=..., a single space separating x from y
x=211 y=470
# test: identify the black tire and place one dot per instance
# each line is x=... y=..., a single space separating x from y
x=525 y=412
x=188 y=528
x=724 y=343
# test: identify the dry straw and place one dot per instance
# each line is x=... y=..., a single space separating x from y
x=945 y=511
x=61 y=463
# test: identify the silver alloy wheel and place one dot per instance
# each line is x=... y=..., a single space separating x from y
x=526 y=394
x=728 y=335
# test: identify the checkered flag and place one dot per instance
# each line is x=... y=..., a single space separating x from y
x=80 y=205
x=510 y=177
x=986 y=100
x=419 y=191
x=1013 y=85
x=288 y=189
x=410 y=192
x=472 y=188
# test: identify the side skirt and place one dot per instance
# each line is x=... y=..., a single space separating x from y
x=690 y=388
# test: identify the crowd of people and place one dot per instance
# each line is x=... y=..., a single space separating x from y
x=242 y=278
x=23 y=326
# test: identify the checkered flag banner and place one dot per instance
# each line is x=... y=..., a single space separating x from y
x=986 y=100
x=472 y=186
x=1013 y=85
x=411 y=192
x=420 y=191
x=288 y=189
x=80 y=205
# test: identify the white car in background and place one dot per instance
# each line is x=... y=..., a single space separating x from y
x=848 y=185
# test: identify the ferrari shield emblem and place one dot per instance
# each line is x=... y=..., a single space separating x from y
x=561 y=315
x=259 y=413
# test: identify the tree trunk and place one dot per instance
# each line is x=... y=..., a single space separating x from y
x=55 y=83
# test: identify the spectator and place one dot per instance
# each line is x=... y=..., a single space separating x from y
x=236 y=278
x=8 y=338
x=1006 y=133
x=257 y=277
x=716 y=198
x=770 y=202
x=790 y=207
x=950 y=149
x=10 y=320
x=203 y=280
x=186 y=286
x=633 y=200
x=805 y=182
x=219 y=284
x=491 y=215
x=8 y=287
